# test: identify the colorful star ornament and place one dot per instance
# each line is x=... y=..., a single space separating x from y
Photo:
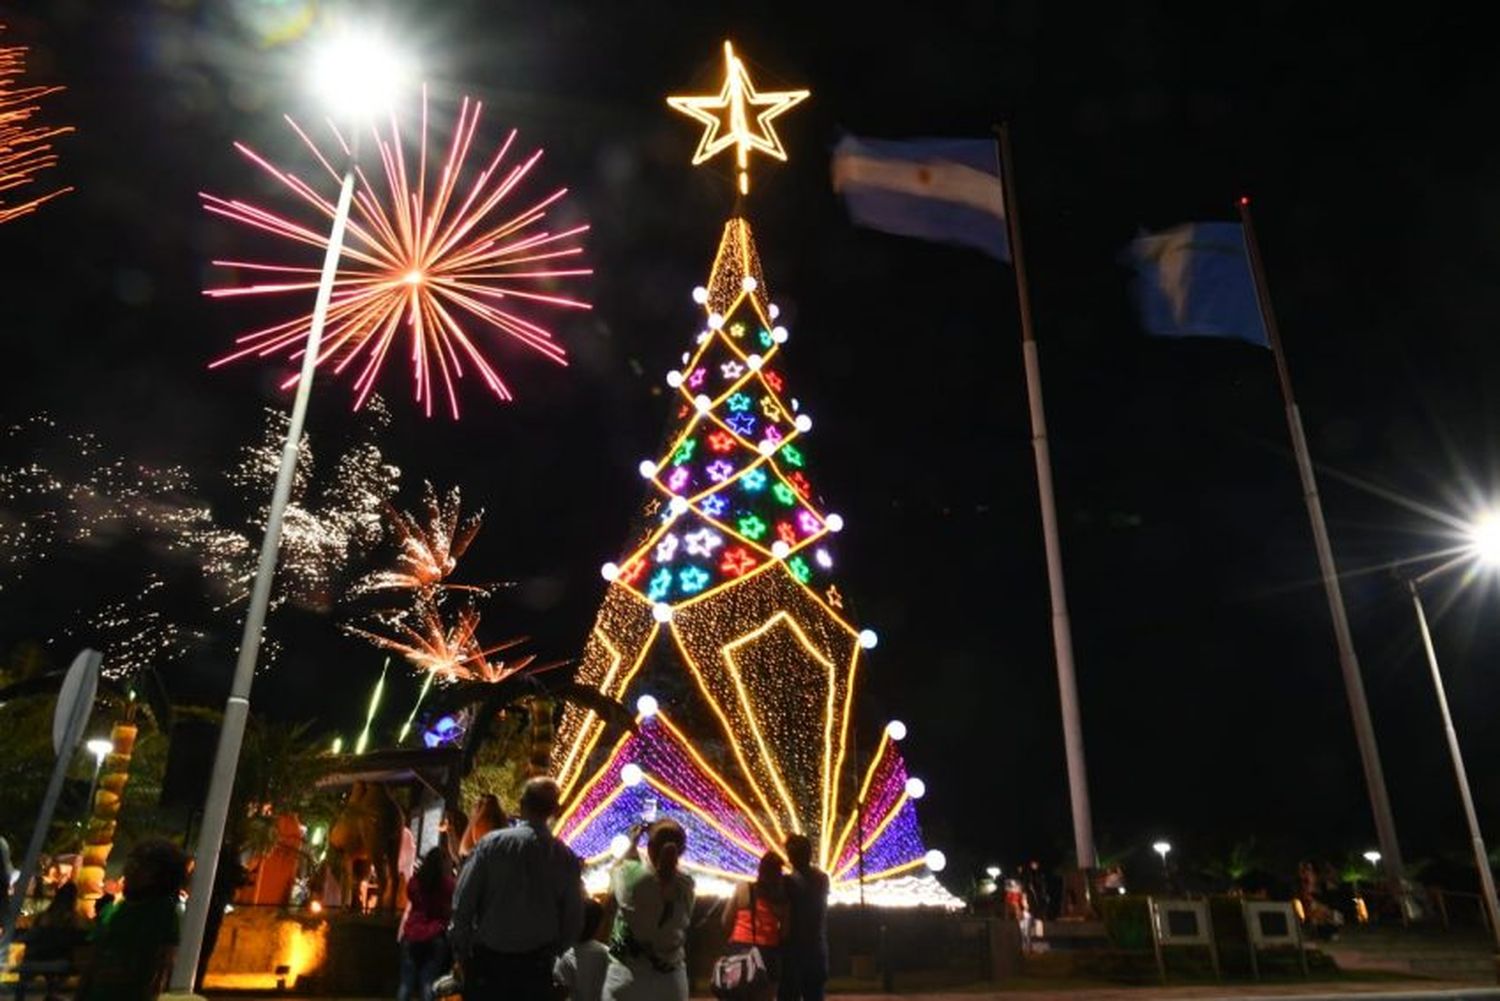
x=726 y=117
x=729 y=603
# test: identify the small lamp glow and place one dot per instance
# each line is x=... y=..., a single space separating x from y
x=647 y=468
x=915 y=788
x=773 y=311
x=1373 y=857
x=661 y=612
x=936 y=861
x=868 y=639
x=765 y=446
x=754 y=362
x=803 y=423
x=703 y=403
x=647 y=706
x=609 y=571
x=700 y=295
x=1162 y=848
x=896 y=730
x=674 y=378
x=835 y=522
x=748 y=284
x=780 y=549
x=779 y=335
x=715 y=321
x=678 y=506
x=100 y=747
x=992 y=871
x=632 y=775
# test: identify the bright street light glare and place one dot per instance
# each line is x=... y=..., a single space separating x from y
x=1161 y=848
x=1484 y=538
x=1372 y=857
x=100 y=747
x=358 y=73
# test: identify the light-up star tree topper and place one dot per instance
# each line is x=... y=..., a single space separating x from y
x=724 y=625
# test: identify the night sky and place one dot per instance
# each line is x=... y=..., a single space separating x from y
x=1212 y=702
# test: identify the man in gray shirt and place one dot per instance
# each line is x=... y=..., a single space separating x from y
x=519 y=903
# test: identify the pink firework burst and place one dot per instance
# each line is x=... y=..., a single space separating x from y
x=421 y=256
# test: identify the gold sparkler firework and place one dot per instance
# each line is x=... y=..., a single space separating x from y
x=25 y=148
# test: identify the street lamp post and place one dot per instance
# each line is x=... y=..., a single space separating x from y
x=100 y=748
x=355 y=74
x=1481 y=857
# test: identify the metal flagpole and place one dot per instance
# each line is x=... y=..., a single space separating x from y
x=1062 y=635
x=1364 y=730
x=237 y=709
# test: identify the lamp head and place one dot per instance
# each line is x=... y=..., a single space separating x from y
x=1484 y=539
x=1373 y=857
x=358 y=73
x=1162 y=848
x=100 y=747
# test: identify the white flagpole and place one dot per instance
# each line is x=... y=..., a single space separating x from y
x=1062 y=634
x=1354 y=687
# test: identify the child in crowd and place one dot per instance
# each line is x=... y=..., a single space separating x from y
x=581 y=969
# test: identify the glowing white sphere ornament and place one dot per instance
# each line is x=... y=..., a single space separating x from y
x=700 y=295
x=703 y=403
x=915 y=788
x=773 y=310
x=674 y=378
x=825 y=560
x=678 y=506
x=779 y=335
x=835 y=522
x=632 y=775
x=936 y=861
x=896 y=730
x=715 y=321
x=754 y=361
x=803 y=423
x=868 y=639
x=647 y=469
x=647 y=706
x=618 y=846
x=765 y=446
x=779 y=549
x=661 y=612
x=609 y=571
x=749 y=283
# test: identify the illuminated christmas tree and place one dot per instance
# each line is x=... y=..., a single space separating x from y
x=724 y=624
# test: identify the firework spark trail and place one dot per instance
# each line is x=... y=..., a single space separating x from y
x=133 y=635
x=448 y=652
x=70 y=494
x=428 y=550
x=324 y=531
x=421 y=259
x=25 y=149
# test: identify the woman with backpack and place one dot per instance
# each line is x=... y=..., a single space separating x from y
x=754 y=918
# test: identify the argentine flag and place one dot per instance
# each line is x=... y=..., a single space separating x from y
x=1194 y=280
x=946 y=190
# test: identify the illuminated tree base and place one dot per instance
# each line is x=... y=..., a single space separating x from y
x=725 y=628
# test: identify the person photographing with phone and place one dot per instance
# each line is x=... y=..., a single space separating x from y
x=653 y=908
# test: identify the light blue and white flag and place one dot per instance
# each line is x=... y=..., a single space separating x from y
x=946 y=190
x=1194 y=280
